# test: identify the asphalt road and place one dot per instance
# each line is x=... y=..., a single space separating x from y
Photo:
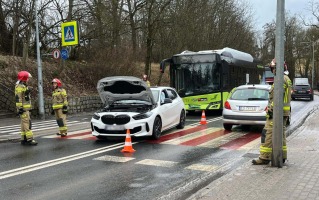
x=81 y=167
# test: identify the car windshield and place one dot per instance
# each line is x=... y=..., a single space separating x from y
x=155 y=94
x=250 y=94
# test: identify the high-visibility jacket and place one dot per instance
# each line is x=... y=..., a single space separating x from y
x=22 y=96
x=59 y=98
x=287 y=96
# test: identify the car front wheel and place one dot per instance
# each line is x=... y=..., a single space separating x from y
x=228 y=127
x=182 y=117
x=157 y=128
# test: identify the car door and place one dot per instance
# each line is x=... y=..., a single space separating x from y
x=175 y=108
x=164 y=110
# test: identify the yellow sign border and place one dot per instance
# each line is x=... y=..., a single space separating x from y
x=76 y=35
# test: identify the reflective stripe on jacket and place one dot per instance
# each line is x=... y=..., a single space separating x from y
x=59 y=98
x=22 y=97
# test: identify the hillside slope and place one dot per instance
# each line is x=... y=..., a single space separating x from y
x=78 y=78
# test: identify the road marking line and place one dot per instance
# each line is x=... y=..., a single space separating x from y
x=33 y=123
x=250 y=145
x=49 y=163
x=202 y=139
x=70 y=133
x=221 y=140
x=114 y=158
x=208 y=121
x=159 y=163
x=45 y=123
x=237 y=143
x=177 y=134
x=39 y=129
x=201 y=167
x=191 y=136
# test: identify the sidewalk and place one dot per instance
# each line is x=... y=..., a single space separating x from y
x=297 y=179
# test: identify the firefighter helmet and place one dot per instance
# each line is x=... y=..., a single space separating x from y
x=55 y=80
x=273 y=65
x=24 y=76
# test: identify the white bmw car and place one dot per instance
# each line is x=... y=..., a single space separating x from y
x=130 y=104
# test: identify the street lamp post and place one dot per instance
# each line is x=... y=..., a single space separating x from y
x=40 y=84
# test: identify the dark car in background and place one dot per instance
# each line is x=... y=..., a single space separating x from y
x=301 y=89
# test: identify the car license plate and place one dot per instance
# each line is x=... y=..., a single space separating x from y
x=247 y=108
x=301 y=91
x=114 y=128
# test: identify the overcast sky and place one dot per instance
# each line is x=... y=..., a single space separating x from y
x=265 y=10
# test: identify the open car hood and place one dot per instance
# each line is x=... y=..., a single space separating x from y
x=116 y=88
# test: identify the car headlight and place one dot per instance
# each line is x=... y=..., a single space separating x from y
x=96 y=116
x=142 y=116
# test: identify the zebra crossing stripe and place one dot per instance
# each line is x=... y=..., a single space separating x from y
x=250 y=145
x=33 y=123
x=235 y=144
x=177 y=134
x=214 y=143
x=114 y=158
x=71 y=134
x=191 y=136
x=159 y=163
x=204 y=138
x=201 y=167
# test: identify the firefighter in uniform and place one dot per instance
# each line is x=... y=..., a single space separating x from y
x=59 y=106
x=23 y=105
x=266 y=143
x=145 y=78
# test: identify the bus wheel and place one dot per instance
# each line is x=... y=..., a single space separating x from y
x=228 y=127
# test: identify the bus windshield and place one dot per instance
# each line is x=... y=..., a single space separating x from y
x=197 y=78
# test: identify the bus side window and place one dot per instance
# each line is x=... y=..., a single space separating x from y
x=225 y=72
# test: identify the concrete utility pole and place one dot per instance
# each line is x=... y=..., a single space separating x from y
x=40 y=82
x=277 y=138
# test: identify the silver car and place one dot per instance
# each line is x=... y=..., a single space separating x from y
x=246 y=105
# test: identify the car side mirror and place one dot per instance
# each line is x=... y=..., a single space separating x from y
x=167 y=100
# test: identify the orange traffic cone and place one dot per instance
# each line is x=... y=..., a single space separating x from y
x=203 y=119
x=128 y=148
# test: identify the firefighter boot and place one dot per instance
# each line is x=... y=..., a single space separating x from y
x=31 y=142
x=58 y=133
x=63 y=134
x=260 y=161
x=23 y=140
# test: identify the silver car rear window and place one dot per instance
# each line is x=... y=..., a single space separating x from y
x=250 y=94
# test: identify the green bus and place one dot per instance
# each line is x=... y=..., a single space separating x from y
x=204 y=78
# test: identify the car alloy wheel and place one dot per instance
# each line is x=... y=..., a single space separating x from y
x=157 y=128
x=182 y=119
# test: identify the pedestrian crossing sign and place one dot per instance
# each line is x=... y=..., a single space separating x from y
x=70 y=33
